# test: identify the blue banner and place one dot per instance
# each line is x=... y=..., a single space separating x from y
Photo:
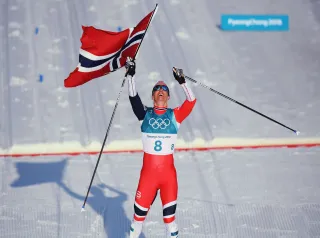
x=254 y=22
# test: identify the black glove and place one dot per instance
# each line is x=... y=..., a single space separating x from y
x=178 y=75
x=130 y=67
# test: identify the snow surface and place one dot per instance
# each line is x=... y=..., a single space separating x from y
x=247 y=193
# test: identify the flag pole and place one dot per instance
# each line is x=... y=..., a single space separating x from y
x=151 y=18
x=113 y=113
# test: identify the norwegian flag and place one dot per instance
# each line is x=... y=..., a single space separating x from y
x=103 y=52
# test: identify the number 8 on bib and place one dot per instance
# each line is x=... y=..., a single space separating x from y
x=157 y=146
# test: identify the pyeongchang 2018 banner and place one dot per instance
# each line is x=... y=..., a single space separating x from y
x=254 y=22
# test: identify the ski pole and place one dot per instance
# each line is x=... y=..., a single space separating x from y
x=241 y=104
x=104 y=142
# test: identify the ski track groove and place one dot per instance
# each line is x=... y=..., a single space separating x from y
x=72 y=96
x=74 y=21
x=8 y=162
x=7 y=75
x=55 y=28
x=6 y=140
x=55 y=187
x=57 y=190
x=82 y=90
x=35 y=67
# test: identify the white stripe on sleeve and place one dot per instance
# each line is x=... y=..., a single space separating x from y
x=189 y=94
x=132 y=86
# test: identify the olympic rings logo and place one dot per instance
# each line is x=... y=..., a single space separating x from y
x=159 y=123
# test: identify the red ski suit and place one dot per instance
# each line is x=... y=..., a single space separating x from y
x=158 y=171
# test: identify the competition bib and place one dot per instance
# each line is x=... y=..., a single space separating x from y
x=158 y=144
x=159 y=132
